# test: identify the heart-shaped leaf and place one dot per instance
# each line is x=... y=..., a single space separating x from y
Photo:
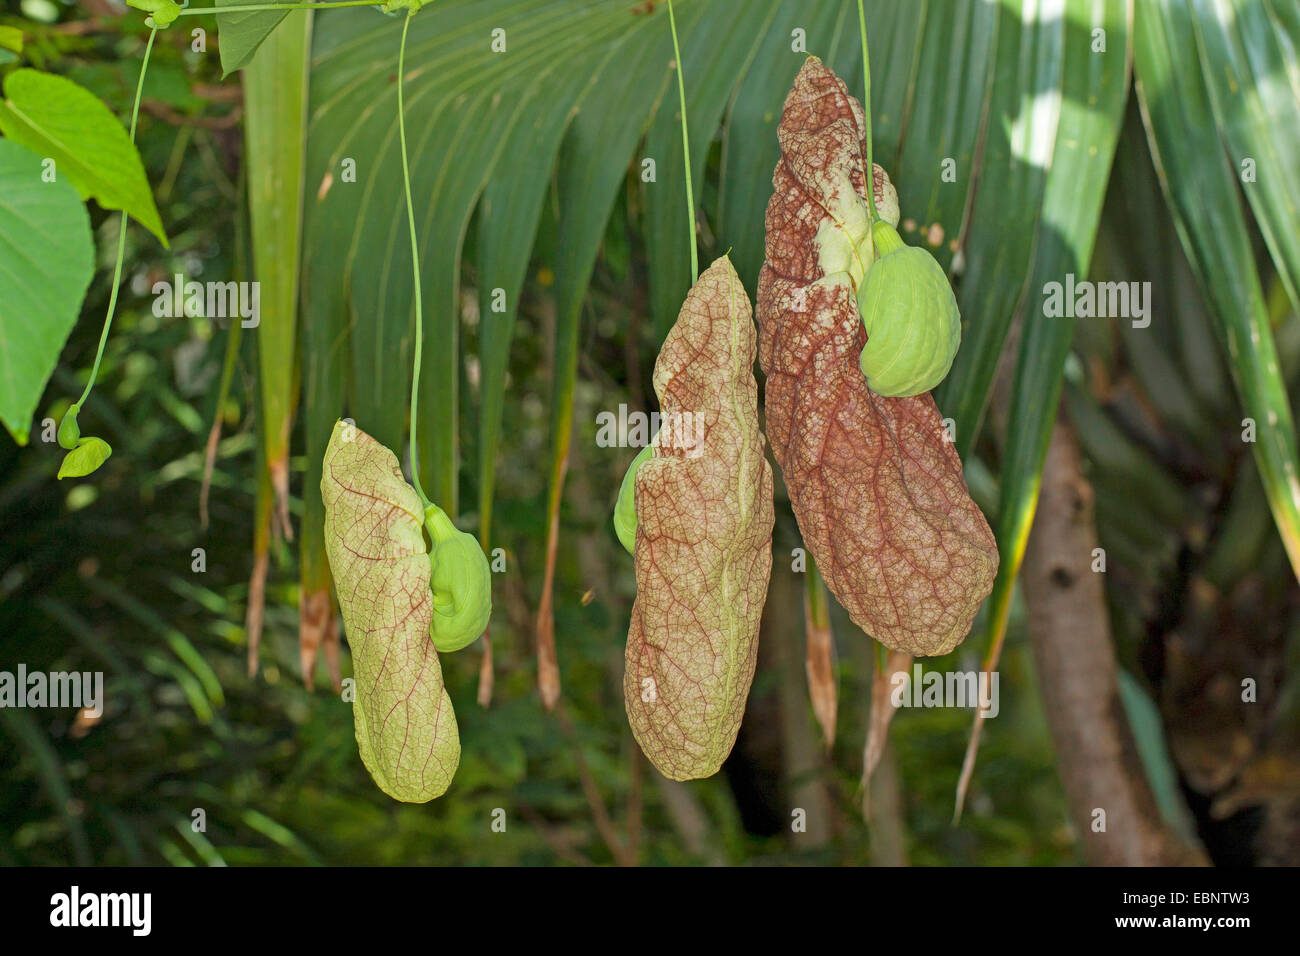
x=242 y=34
x=60 y=120
x=85 y=459
x=47 y=257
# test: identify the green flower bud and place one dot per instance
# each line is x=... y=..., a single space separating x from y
x=393 y=7
x=162 y=13
x=910 y=313
x=69 y=430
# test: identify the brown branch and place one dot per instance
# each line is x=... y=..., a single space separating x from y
x=231 y=91
x=819 y=654
x=1069 y=631
x=76 y=28
x=881 y=714
x=486 y=675
x=176 y=118
x=888 y=825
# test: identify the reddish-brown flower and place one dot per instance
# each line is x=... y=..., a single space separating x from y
x=703 y=537
x=876 y=486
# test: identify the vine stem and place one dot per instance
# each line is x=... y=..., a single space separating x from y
x=866 y=112
x=121 y=234
x=686 y=147
x=262 y=7
x=415 y=266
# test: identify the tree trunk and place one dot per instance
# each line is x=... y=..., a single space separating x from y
x=1069 y=630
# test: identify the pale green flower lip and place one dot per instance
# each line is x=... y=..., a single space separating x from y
x=461 y=581
x=625 y=507
x=910 y=315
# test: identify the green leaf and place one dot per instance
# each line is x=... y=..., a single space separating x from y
x=1244 y=533
x=60 y=120
x=1117 y=459
x=1202 y=190
x=587 y=186
x=463 y=103
x=374 y=535
x=162 y=12
x=510 y=211
x=47 y=257
x=1247 y=59
x=11 y=38
x=1157 y=761
x=1092 y=113
x=324 y=358
x=241 y=34
x=955 y=87
x=85 y=459
x=713 y=51
x=1019 y=140
x=275 y=102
